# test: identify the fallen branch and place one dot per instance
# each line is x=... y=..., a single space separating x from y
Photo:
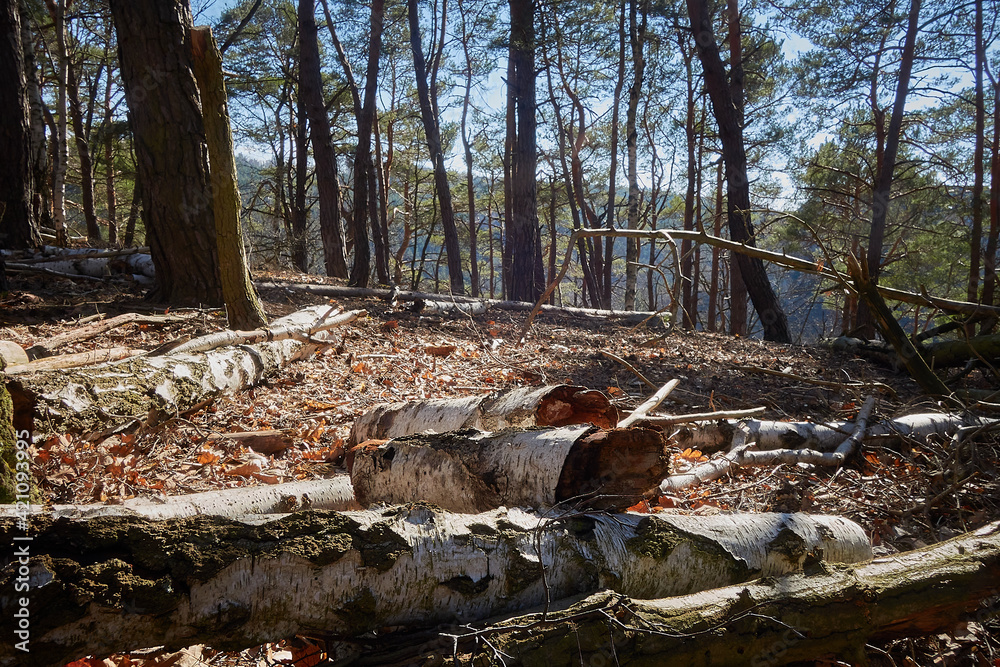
x=649 y=404
x=407 y=296
x=74 y=360
x=115 y=584
x=714 y=436
x=742 y=453
x=669 y=420
x=330 y=319
x=819 y=383
x=713 y=468
x=781 y=259
x=48 y=347
x=635 y=371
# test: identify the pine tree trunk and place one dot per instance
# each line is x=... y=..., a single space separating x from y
x=81 y=137
x=57 y=11
x=727 y=105
x=363 y=167
x=16 y=225
x=637 y=38
x=166 y=120
x=887 y=165
x=524 y=277
x=311 y=91
x=433 y=137
x=41 y=201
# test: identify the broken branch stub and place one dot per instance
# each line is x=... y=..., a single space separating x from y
x=472 y=471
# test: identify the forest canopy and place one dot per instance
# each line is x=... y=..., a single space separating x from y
x=454 y=145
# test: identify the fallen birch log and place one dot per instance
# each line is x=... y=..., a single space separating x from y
x=111 y=585
x=323 y=494
x=714 y=436
x=470 y=471
x=330 y=319
x=107 y=396
x=556 y=405
x=405 y=295
x=827 y=614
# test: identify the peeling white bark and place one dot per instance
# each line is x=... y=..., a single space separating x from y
x=823 y=437
x=235 y=585
x=335 y=493
x=107 y=396
x=556 y=405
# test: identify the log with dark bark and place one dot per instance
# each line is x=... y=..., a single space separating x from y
x=172 y=158
x=107 y=585
x=144 y=389
x=558 y=405
x=825 y=614
x=472 y=471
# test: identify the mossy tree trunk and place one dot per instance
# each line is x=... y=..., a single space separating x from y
x=117 y=584
x=242 y=303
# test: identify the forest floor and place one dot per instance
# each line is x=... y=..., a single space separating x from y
x=904 y=497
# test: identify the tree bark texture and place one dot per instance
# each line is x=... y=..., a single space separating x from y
x=728 y=114
x=558 y=405
x=16 y=227
x=311 y=90
x=164 y=109
x=243 y=307
x=472 y=471
x=525 y=279
x=115 y=584
x=824 y=614
x=140 y=388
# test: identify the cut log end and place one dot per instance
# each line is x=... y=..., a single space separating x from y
x=567 y=404
x=614 y=469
